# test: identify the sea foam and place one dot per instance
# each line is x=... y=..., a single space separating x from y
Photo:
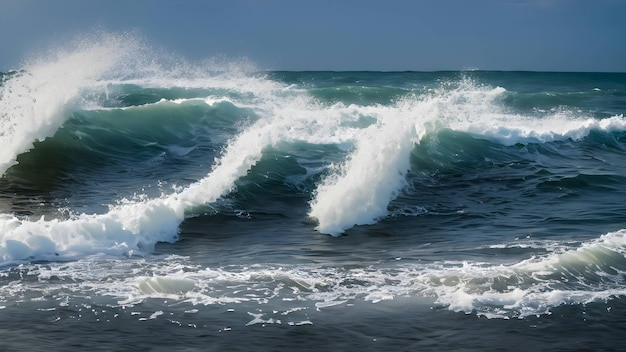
x=568 y=274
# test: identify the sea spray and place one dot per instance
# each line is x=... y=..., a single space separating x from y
x=360 y=190
x=466 y=106
x=278 y=116
x=34 y=102
x=133 y=226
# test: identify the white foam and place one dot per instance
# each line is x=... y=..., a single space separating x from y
x=593 y=272
x=359 y=191
x=478 y=110
x=538 y=284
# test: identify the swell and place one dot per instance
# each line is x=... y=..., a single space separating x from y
x=379 y=161
x=209 y=147
x=121 y=95
x=105 y=155
x=91 y=154
x=455 y=154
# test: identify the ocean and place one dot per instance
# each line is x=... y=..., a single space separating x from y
x=151 y=203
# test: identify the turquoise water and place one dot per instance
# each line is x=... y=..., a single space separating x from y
x=215 y=207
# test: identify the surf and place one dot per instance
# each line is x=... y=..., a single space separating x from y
x=567 y=274
x=372 y=143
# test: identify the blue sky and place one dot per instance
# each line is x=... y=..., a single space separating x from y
x=421 y=35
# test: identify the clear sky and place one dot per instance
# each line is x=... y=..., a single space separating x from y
x=421 y=35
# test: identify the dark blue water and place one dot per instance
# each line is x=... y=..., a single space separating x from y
x=149 y=208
